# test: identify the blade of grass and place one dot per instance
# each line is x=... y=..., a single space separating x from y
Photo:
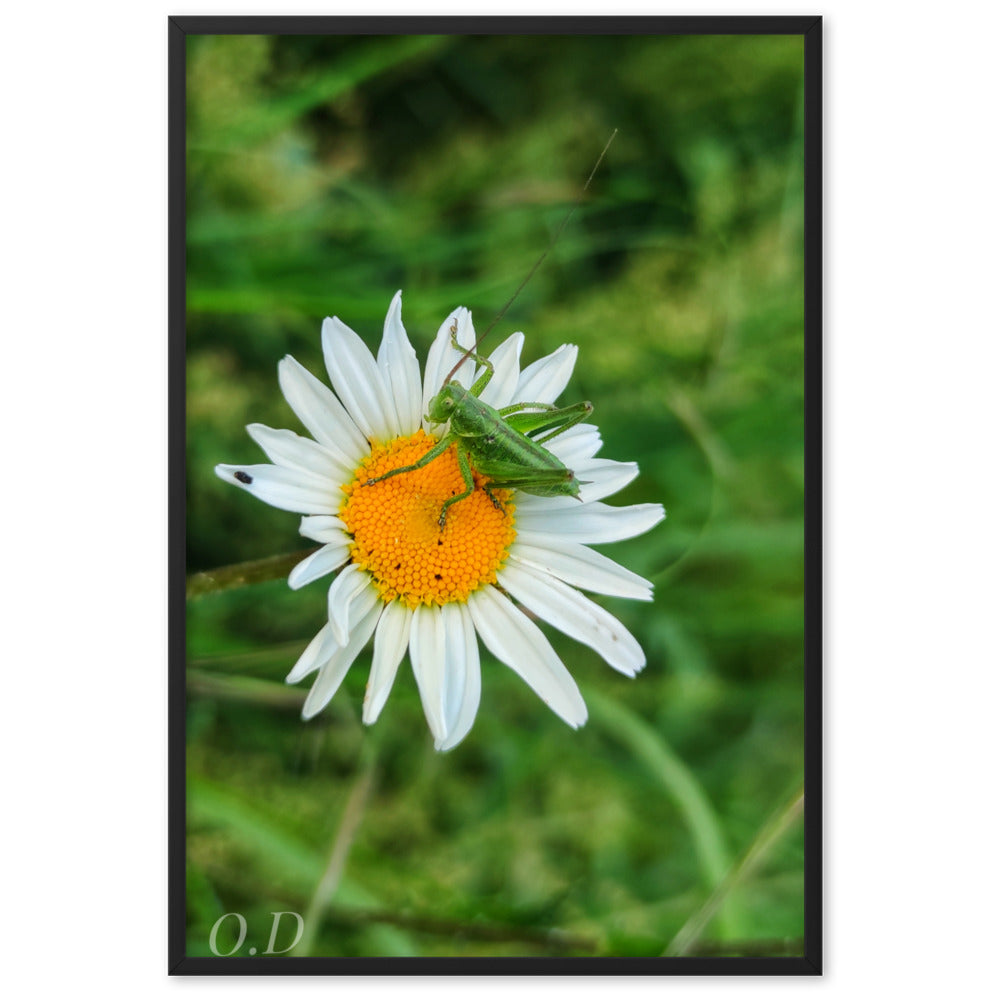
x=650 y=747
x=553 y=938
x=328 y=884
x=247 y=690
x=767 y=838
x=355 y=66
x=249 y=660
x=286 y=856
x=755 y=948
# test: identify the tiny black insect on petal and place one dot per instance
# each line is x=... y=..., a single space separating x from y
x=243 y=477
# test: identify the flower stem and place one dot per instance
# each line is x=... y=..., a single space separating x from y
x=243 y=574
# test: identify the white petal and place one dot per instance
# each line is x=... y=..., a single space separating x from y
x=400 y=369
x=323 y=528
x=427 y=655
x=574 y=615
x=582 y=567
x=578 y=444
x=358 y=381
x=442 y=357
x=287 y=489
x=391 y=638
x=592 y=524
x=321 y=412
x=543 y=380
x=333 y=672
x=321 y=562
x=472 y=684
x=288 y=449
x=453 y=684
x=515 y=640
x=350 y=596
x=506 y=363
x=599 y=478
x=466 y=337
x=319 y=650
x=438 y=356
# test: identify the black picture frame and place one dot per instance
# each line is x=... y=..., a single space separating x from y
x=810 y=963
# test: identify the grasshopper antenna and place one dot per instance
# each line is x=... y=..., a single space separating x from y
x=534 y=267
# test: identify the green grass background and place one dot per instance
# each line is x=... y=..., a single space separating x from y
x=324 y=173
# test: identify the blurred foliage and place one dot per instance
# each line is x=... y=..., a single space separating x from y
x=323 y=174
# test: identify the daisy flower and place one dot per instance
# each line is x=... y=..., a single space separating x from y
x=413 y=584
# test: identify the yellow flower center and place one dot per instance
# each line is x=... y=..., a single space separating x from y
x=395 y=525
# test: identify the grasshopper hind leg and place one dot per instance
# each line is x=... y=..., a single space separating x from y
x=494 y=499
x=466 y=469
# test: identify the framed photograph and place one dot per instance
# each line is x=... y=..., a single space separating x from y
x=495 y=495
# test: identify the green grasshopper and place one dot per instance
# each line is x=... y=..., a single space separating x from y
x=496 y=442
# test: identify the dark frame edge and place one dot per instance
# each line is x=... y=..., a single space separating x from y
x=719 y=24
x=176 y=492
x=473 y=966
x=179 y=963
x=813 y=708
